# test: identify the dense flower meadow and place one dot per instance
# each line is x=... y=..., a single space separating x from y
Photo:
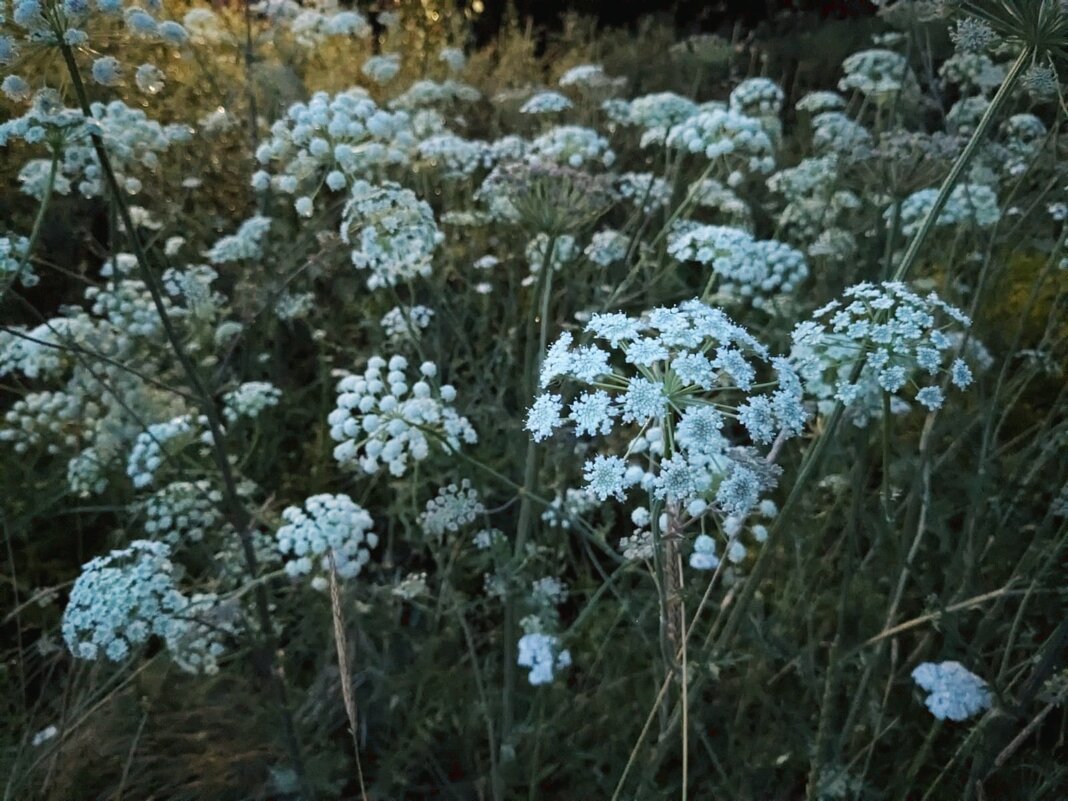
x=611 y=417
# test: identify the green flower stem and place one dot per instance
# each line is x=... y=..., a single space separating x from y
x=530 y=476
x=38 y=223
x=240 y=516
x=963 y=160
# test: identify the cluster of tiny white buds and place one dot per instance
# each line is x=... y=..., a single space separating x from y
x=383 y=421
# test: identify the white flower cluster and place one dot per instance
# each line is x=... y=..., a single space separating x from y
x=815 y=206
x=244 y=244
x=574 y=146
x=820 y=101
x=682 y=369
x=205 y=27
x=972 y=72
x=877 y=74
x=954 y=692
x=400 y=324
x=542 y=654
x=127 y=304
x=40 y=26
x=332 y=139
x=382 y=421
x=294 y=305
x=86 y=472
x=833 y=132
x=392 y=233
x=327 y=527
x=453 y=58
x=455 y=157
x=451 y=509
x=45 y=417
x=901 y=338
x=656 y=114
x=311 y=27
x=158 y=442
x=568 y=507
x=122 y=600
x=34 y=354
x=724 y=134
x=748 y=270
x=12 y=255
x=383 y=68
x=546 y=103
x=590 y=79
x=712 y=194
x=249 y=399
x=644 y=190
x=565 y=249
x=757 y=97
x=432 y=93
x=607 y=247
x=1024 y=136
x=183 y=512
x=133 y=141
x=975 y=204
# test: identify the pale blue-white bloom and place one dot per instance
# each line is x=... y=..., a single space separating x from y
x=676 y=366
x=542 y=654
x=451 y=509
x=329 y=533
x=122 y=600
x=704 y=553
x=546 y=103
x=954 y=692
x=106 y=71
x=384 y=421
x=902 y=338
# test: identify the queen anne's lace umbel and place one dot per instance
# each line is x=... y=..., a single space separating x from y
x=687 y=374
x=954 y=692
x=392 y=233
x=122 y=600
x=329 y=528
x=382 y=421
x=904 y=341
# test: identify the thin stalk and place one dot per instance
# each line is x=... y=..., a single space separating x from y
x=530 y=475
x=962 y=162
x=38 y=221
x=240 y=515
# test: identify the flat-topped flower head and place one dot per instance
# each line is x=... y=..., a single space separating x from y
x=451 y=509
x=392 y=233
x=877 y=74
x=184 y=512
x=573 y=146
x=385 y=421
x=739 y=141
x=249 y=400
x=745 y=270
x=656 y=114
x=686 y=369
x=546 y=103
x=974 y=204
x=332 y=140
x=954 y=692
x=122 y=600
x=327 y=528
x=905 y=341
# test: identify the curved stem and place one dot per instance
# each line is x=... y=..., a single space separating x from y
x=240 y=517
x=38 y=223
x=963 y=160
